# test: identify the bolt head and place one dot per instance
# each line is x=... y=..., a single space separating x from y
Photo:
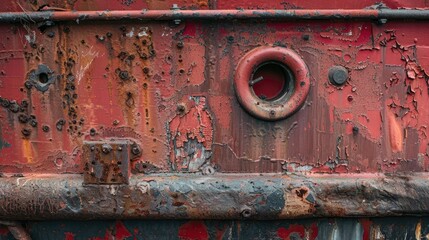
x=338 y=75
x=106 y=148
x=135 y=150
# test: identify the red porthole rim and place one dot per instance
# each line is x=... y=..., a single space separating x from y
x=284 y=106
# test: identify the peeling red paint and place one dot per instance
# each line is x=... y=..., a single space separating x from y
x=366 y=225
x=121 y=231
x=69 y=236
x=193 y=230
x=191 y=134
x=314 y=231
x=190 y=29
x=291 y=232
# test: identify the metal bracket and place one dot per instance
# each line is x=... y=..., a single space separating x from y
x=107 y=162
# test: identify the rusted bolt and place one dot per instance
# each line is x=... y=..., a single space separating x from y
x=106 y=148
x=119 y=149
x=246 y=212
x=180 y=45
x=175 y=7
x=381 y=21
x=33 y=122
x=13 y=107
x=24 y=103
x=51 y=34
x=92 y=148
x=305 y=37
x=124 y=75
x=350 y=98
x=60 y=124
x=338 y=75
x=180 y=108
x=115 y=122
x=45 y=128
x=92 y=132
x=355 y=130
x=146 y=70
x=208 y=170
x=272 y=113
x=100 y=38
x=5 y=103
x=136 y=150
x=26 y=132
x=23 y=118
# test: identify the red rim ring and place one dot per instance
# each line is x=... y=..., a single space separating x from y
x=288 y=102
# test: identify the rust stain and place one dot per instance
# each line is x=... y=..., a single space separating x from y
x=27 y=150
x=395 y=133
x=299 y=201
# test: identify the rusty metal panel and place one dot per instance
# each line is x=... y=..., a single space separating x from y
x=213 y=109
x=180 y=101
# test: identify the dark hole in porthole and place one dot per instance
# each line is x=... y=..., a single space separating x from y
x=43 y=78
x=271 y=81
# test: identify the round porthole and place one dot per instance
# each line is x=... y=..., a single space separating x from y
x=271 y=83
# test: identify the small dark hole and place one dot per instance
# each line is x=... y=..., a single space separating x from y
x=43 y=78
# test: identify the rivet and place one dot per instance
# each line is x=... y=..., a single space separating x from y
x=338 y=75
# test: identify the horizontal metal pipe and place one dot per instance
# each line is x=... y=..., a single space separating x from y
x=223 y=196
x=212 y=14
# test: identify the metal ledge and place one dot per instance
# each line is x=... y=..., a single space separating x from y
x=176 y=14
x=223 y=196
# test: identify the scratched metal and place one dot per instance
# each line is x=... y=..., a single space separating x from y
x=167 y=86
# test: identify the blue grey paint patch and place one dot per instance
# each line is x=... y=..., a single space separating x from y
x=3 y=143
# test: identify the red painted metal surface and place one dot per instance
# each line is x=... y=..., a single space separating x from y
x=160 y=93
x=171 y=89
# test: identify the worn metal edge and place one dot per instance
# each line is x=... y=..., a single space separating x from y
x=219 y=196
x=176 y=14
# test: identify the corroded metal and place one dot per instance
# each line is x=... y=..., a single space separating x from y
x=160 y=84
x=214 y=197
x=177 y=15
x=106 y=162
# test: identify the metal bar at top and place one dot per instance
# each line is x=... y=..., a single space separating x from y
x=219 y=196
x=156 y=15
